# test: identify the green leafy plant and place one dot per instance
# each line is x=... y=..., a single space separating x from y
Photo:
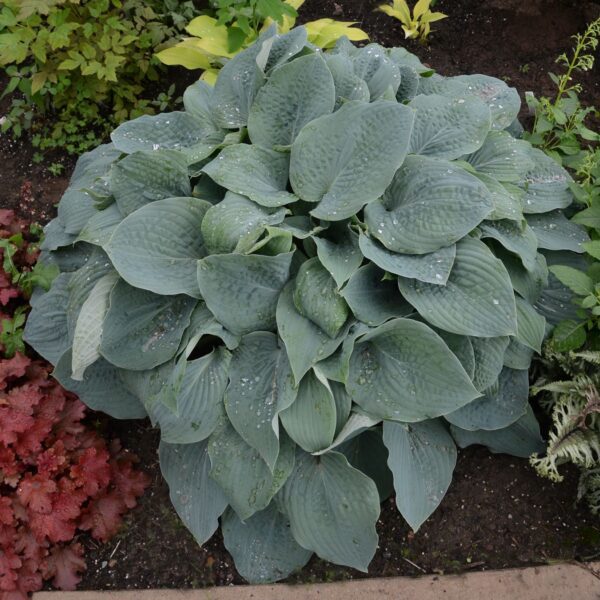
x=318 y=280
x=238 y=25
x=416 y=24
x=80 y=68
x=574 y=406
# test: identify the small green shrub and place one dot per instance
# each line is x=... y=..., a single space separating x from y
x=82 y=67
x=317 y=280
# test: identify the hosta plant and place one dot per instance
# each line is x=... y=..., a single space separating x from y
x=317 y=280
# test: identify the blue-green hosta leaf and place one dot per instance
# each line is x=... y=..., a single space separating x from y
x=356 y=423
x=101 y=388
x=507 y=203
x=522 y=438
x=462 y=347
x=343 y=402
x=252 y=171
x=295 y=94
x=517 y=355
x=531 y=326
x=515 y=237
x=274 y=241
x=198 y=500
x=260 y=387
x=529 y=284
x=305 y=342
x=46 y=327
x=242 y=291
x=373 y=299
x=144 y=177
x=502 y=404
x=448 y=127
x=489 y=358
x=301 y=227
x=311 y=420
x=431 y=203
x=88 y=330
x=339 y=253
x=100 y=226
x=503 y=101
x=380 y=73
x=348 y=86
x=555 y=232
x=197 y=100
x=477 y=299
x=502 y=157
x=199 y=400
x=285 y=47
x=333 y=509
x=242 y=474
x=236 y=223
x=404 y=371
x=546 y=185
x=316 y=297
x=93 y=164
x=336 y=366
x=75 y=209
x=157 y=247
x=69 y=259
x=347 y=159
x=141 y=329
x=409 y=84
x=431 y=268
x=56 y=237
x=166 y=131
x=402 y=57
x=263 y=547
x=422 y=457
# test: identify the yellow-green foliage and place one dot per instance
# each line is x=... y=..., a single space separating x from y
x=82 y=60
x=416 y=24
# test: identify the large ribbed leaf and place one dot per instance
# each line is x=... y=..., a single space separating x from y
x=239 y=470
x=555 y=232
x=431 y=203
x=403 y=371
x=336 y=366
x=517 y=355
x=507 y=202
x=157 y=247
x=100 y=226
x=101 y=388
x=316 y=297
x=235 y=224
x=311 y=420
x=463 y=349
x=262 y=546
x=431 y=268
x=501 y=405
x=198 y=500
x=531 y=326
x=489 y=357
x=199 y=400
x=333 y=509
x=296 y=93
x=141 y=329
x=521 y=438
x=88 y=330
x=242 y=291
x=356 y=424
x=348 y=86
x=372 y=65
x=260 y=387
x=347 y=159
x=515 y=237
x=502 y=156
x=477 y=300
x=339 y=252
x=529 y=284
x=252 y=171
x=374 y=299
x=144 y=177
x=305 y=342
x=448 y=127
x=422 y=457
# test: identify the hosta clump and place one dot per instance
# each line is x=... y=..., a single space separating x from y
x=317 y=280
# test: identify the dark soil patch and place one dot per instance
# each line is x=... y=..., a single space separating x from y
x=498 y=512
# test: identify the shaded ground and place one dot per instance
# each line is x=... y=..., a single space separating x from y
x=498 y=513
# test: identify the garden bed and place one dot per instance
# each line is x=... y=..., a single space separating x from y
x=498 y=513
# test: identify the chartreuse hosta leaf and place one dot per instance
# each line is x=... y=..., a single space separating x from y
x=329 y=164
x=260 y=387
x=430 y=204
x=197 y=498
x=448 y=127
x=256 y=172
x=422 y=457
x=262 y=546
x=157 y=247
x=397 y=370
x=242 y=291
x=322 y=241
x=333 y=509
x=477 y=299
x=297 y=93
